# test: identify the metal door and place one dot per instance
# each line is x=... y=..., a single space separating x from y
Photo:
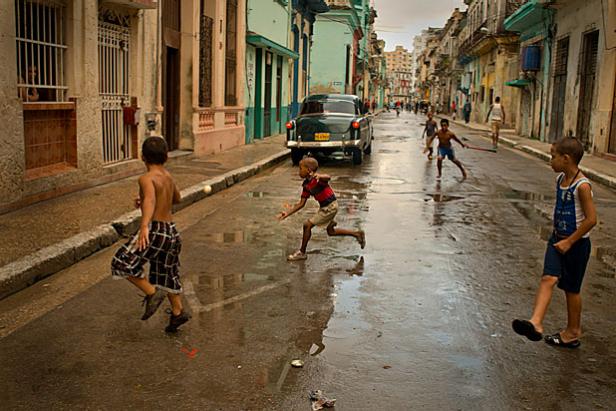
x=267 y=105
x=113 y=72
x=558 y=94
x=588 y=72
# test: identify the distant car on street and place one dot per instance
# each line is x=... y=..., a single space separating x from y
x=328 y=124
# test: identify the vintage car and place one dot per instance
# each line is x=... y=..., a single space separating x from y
x=328 y=124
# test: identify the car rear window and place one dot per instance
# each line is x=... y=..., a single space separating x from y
x=328 y=106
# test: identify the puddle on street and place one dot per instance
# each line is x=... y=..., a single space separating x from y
x=256 y=194
x=525 y=195
x=229 y=237
x=442 y=198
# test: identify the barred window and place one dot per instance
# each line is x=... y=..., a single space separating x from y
x=231 y=54
x=41 y=48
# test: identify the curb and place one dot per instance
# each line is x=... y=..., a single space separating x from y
x=22 y=273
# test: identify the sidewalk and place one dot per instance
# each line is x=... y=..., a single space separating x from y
x=46 y=237
x=596 y=168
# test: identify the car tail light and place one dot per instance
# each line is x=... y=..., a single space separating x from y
x=355 y=125
x=290 y=125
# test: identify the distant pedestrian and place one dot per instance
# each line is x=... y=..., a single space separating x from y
x=366 y=107
x=157 y=241
x=568 y=248
x=430 y=132
x=317 y=185
x=496 y=116
x=453 y=109
x=445 y=148
x=373 y=105
x=466 y=111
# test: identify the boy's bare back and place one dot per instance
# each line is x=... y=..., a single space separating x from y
x=159 y=184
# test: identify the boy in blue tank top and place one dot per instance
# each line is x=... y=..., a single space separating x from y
x=568 y=248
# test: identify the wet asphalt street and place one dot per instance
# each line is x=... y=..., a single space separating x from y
x=419 y=319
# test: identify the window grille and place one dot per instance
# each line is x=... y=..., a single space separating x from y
x=231 y=54
x=113 y=72
x=41 y=48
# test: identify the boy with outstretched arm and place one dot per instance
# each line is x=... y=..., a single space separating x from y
x=157 y=242
x=445 y=148
x=430 y=132
x=317 y=185
x=568 y=248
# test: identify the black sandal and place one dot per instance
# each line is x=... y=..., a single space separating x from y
x=527 y=329
x=557 y=341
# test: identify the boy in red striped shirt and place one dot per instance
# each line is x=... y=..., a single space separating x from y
x=317 y=185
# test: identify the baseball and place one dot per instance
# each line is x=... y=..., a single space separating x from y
x=207 y=189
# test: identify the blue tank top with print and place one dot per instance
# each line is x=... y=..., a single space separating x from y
x=567 y=212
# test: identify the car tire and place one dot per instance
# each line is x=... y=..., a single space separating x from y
x=357 y=156
x=296 y=156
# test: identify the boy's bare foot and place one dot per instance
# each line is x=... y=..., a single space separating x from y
x=361 y=239
x=152 y=302
x=464 y=176
x=297 y=256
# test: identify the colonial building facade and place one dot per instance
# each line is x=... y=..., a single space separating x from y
x=82 y=79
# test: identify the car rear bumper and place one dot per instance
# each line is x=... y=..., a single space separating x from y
x=323 y=144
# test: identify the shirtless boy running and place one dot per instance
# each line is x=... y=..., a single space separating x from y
x=445 y=148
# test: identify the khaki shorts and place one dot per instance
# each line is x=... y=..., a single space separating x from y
x=325 y=215
x=496 y=125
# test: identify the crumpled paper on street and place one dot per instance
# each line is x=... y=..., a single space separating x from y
x=320 y=401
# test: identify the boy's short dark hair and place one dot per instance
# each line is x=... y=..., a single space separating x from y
x=444 y=121
x=154 y=150
x=570 y=146
x=310 y=162
x=497 y=99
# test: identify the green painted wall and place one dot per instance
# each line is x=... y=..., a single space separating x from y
x=249 y=93
x=269 y=18
x=328 y=62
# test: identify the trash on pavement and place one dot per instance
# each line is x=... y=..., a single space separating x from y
x=320 y=401
x=297 y=363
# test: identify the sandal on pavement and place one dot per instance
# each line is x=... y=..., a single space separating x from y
x=557 y=341
x=297 y=256
x=527 y=329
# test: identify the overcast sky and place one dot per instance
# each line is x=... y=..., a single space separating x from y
x=399 y=21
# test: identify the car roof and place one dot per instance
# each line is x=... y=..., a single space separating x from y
x=344 y=97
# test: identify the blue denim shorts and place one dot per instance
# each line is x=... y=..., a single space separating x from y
x=446 y=152
x=569 y=267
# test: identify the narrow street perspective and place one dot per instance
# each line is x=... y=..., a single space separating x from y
x=308 y=204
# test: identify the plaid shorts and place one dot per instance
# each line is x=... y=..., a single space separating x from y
x=163 y=255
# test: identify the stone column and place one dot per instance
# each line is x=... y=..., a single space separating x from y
x=12 y=155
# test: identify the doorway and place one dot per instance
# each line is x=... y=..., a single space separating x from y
x=171 y=40
x=267 y=104
x=590 y=47
x=279 y=93
x=558 y=94
x=612 y=144
x=171 y=97
x=258 y=90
